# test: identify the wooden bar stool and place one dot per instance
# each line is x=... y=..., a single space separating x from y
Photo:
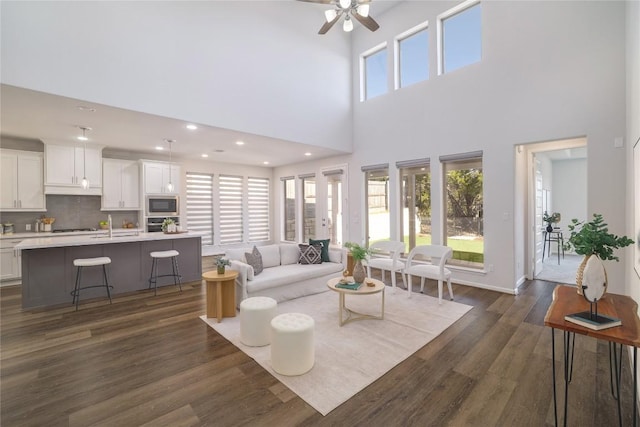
x=90 y=262
x=153 y=278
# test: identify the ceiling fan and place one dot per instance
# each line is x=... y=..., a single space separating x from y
x=358 y=9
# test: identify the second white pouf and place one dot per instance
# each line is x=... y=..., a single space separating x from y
x=255 y=320
x=292 y=343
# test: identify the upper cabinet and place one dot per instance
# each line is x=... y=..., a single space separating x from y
x=121 y=185
x=21 y=181
x=157 y=175
x=66 y=165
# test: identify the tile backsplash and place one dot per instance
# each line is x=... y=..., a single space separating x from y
x=69 y=212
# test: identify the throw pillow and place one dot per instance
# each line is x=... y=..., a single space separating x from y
x=310 y=254
x=254 y=259
x=325 y=248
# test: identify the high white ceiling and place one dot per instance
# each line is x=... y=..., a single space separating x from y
x=35 y=115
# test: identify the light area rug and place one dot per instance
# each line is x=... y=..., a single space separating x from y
x=349 y=358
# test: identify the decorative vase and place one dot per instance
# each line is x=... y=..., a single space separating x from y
x=358 y=272
x=549 y=228
x=591 y=272
x=221 y=269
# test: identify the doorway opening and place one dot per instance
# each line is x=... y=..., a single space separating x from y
x=556 y=186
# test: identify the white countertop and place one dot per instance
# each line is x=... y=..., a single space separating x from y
x=91 y=238
x=33 y=234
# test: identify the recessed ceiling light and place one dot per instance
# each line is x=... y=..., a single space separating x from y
x=191 y=126
x=205 y=155
x=219 y=151
x=159 y=148
x=265 y=163
x=307 y=154
x=85 y=108
x=239 y=143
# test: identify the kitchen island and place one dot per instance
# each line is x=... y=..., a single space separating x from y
x=48 y=274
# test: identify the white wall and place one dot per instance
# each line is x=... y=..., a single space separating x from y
x=545 y=75
x=254 y=66
x=569 y=190
x=632 y=282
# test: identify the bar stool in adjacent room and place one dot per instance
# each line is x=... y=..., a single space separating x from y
x=153 y=278
x=81 y=263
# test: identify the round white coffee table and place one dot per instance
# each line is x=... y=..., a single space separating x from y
x=365 y=289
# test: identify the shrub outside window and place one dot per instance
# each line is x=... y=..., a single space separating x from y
x=415 y=183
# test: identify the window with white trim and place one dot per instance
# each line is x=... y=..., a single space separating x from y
x=200 y=205
x=231 y=209
x=463 y=201
x=289 y=209
x=460 y=36
x=308 y=207
x=415 y=190
x=377 y=203
x=258 y=209
x=412 y=56
x=373 y=72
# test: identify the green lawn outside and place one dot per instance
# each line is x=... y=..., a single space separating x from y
x=466 y=250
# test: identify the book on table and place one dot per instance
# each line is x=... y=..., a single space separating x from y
x=593 y=321
x=352 y=286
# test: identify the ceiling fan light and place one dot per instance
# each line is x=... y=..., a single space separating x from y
x=363 y=10
x=330 y=14
x=345 y=4
x=347 y=26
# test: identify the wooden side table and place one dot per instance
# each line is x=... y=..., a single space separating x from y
x=566 y=301
x=221 y=293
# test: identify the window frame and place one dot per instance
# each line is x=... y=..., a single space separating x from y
x=424 y=26
x=313 y=231
x=409 y=168
x=440 y=31
x=289 y=180
x=363 y=70
x=367 y=170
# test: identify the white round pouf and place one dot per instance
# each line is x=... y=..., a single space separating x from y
x=292 y=344
x=255 y=320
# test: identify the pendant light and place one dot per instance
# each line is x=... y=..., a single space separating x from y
x=170 y=184
x=85 y=182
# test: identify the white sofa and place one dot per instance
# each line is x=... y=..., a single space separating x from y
x=282 y=277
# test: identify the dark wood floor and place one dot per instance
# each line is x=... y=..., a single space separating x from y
x=149 y=360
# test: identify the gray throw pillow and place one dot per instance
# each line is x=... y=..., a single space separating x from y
x=254 y=259
x=310 y=254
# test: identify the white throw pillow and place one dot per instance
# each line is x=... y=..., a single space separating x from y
x=289 y=254
x=270 y=255
x=237 y=254
x=335 y=255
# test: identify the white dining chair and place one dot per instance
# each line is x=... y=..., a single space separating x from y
x=385 y=257
x=431 y=268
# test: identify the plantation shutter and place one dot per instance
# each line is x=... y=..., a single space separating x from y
x=200 y=205
x=230 y=209
x=258 y=206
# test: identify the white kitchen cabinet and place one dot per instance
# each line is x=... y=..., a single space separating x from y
x=65 y=168
x=121 y=187
x=157 y=175
x=22 y=183
x=10 y=259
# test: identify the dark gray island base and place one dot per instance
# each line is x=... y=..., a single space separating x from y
x=48 y=274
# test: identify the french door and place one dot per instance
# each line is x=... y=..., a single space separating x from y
x=332 y=204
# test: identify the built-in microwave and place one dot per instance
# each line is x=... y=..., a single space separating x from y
x=162 y=205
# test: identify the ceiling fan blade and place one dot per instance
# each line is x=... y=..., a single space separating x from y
x=368 y=22
x=327 y=25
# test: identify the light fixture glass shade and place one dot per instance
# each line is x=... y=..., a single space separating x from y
x=347 y=25
x=83 y=138
x=84 y=183
x=363 y=10
x=345 y=3
x=330 y=14
x=170 y=187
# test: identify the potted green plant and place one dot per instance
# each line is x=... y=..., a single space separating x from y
x=359 y=254
x=554 y=218
x=169 y=225
x=593 y=238
x=221 y=263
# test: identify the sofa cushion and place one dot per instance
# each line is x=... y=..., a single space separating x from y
x=325 y=248
x=292 y=273
x=254 y=259
x=237 y=254
x=289 y=254
x=310 y=254
x=335 y=255
x=270 y=255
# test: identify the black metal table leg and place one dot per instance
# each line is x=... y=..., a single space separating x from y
x=553 y=369
x=635 y=386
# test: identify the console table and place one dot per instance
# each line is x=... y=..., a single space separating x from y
x=566 y=301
